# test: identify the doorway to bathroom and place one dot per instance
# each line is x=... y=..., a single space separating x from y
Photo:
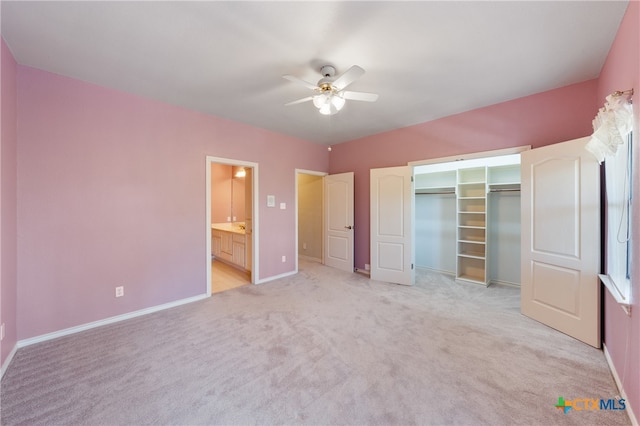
x=231 y=224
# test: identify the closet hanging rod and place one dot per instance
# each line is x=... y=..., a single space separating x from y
x=504 y=190
x=436 y=193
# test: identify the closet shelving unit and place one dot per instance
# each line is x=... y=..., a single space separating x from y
x=472 y=225
x=504 y=178
x=436 y=183
x=471 y=182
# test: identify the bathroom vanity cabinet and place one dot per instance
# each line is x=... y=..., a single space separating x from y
x=228 y=244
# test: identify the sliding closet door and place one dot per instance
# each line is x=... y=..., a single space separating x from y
x=561 y=239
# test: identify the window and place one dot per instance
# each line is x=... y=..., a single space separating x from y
x=618 y=190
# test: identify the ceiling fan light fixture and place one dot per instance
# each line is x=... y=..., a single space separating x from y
x=327 y=110
x=330 y=95
x=319 y=100
x=338 y=101
x=328 y=104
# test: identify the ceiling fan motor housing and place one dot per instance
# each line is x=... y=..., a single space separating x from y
x=324 y=84
x=327 y=71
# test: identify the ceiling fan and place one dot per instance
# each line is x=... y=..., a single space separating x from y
x=331 y=96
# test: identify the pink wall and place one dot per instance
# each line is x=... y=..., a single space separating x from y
x=537 y=120
x=8 y=202
x=111 y=191
x=622 y=333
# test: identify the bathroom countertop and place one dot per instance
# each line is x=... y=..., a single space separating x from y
x=229 y=227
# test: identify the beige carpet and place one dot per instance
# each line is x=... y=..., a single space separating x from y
x=321 y=347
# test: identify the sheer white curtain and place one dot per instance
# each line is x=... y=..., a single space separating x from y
x=611 y=127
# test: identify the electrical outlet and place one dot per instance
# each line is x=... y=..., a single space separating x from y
x=304 y=246
x=2 y=331
x=228 y=218
x=367 y=267
x=284 y=259
x=120 y=291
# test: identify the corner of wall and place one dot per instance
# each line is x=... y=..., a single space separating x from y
x=8 y=201
x=621 y=71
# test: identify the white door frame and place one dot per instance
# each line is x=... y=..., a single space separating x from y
x=314 y=173
x=255 y=217
x=469 y=156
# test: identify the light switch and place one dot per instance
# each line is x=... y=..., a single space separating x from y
x=271 y=200
x=283 y=206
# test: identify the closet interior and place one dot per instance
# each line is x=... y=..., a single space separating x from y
x=467 y=219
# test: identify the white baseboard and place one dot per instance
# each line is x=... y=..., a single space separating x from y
x=508 y=283
x=118 y=318
x=276 y=277
x=439 y=271
x=453 y=274
x=614 y=373
x=7 y=361
x=106 y=321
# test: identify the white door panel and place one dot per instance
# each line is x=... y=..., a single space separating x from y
x=556 y=287
x=561 y=239
x=390 y=256
x=339 y=247
x=560 y=211
x=338 y=193
x=391 y=225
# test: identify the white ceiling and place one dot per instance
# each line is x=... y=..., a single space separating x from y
x=425 y=59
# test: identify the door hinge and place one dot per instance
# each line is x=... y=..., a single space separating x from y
x=411 y=178
x=412 y=266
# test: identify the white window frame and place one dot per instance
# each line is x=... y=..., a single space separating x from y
x=618 y=224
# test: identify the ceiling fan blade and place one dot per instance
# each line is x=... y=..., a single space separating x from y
x=360 y=96
x=300 y=81
x=299 y=101
x=348 y=77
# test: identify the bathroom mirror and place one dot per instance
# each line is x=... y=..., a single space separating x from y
x=227 y=193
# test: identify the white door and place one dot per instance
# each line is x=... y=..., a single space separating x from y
x=338 y=204
x=392 y=225
x=561 y=239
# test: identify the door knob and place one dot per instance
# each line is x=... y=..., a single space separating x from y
x=348 y=227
